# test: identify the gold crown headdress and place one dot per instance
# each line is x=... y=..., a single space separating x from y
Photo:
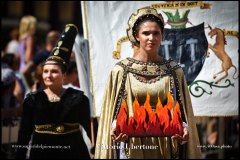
x=135 y=17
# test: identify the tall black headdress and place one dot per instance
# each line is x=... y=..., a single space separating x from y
x=63 y=49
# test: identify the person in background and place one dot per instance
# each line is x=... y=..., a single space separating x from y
x=11 y=107
x=53 y=115
x=133 y=78
x=11 y=61
x=72 y=76
x=27 y=42
x=13 y=45
x=8 y=78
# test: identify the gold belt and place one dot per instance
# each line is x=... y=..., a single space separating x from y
x=63 y=128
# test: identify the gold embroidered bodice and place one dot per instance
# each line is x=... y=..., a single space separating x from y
x=153 y=78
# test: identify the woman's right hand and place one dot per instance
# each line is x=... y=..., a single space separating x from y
x=121 y=137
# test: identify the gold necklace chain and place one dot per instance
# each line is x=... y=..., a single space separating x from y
x=56 y=98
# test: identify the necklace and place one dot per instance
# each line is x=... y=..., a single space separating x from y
x=56 y=98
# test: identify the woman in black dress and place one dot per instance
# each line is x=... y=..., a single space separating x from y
x=51 y=117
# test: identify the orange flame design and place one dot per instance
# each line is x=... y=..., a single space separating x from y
x=177 y=120
x=170 y=101
x=146 y=122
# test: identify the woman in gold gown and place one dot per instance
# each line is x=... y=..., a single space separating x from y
x=131 y=78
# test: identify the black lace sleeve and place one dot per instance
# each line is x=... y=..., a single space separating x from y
x=26 y=127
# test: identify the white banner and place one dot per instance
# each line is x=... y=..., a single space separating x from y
x=105 y=25
x=80 y=49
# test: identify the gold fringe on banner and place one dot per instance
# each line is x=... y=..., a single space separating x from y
x=116 y=54
x=230 y=33
x=181 y=4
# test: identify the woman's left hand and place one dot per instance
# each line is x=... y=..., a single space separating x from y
x=182 y=139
